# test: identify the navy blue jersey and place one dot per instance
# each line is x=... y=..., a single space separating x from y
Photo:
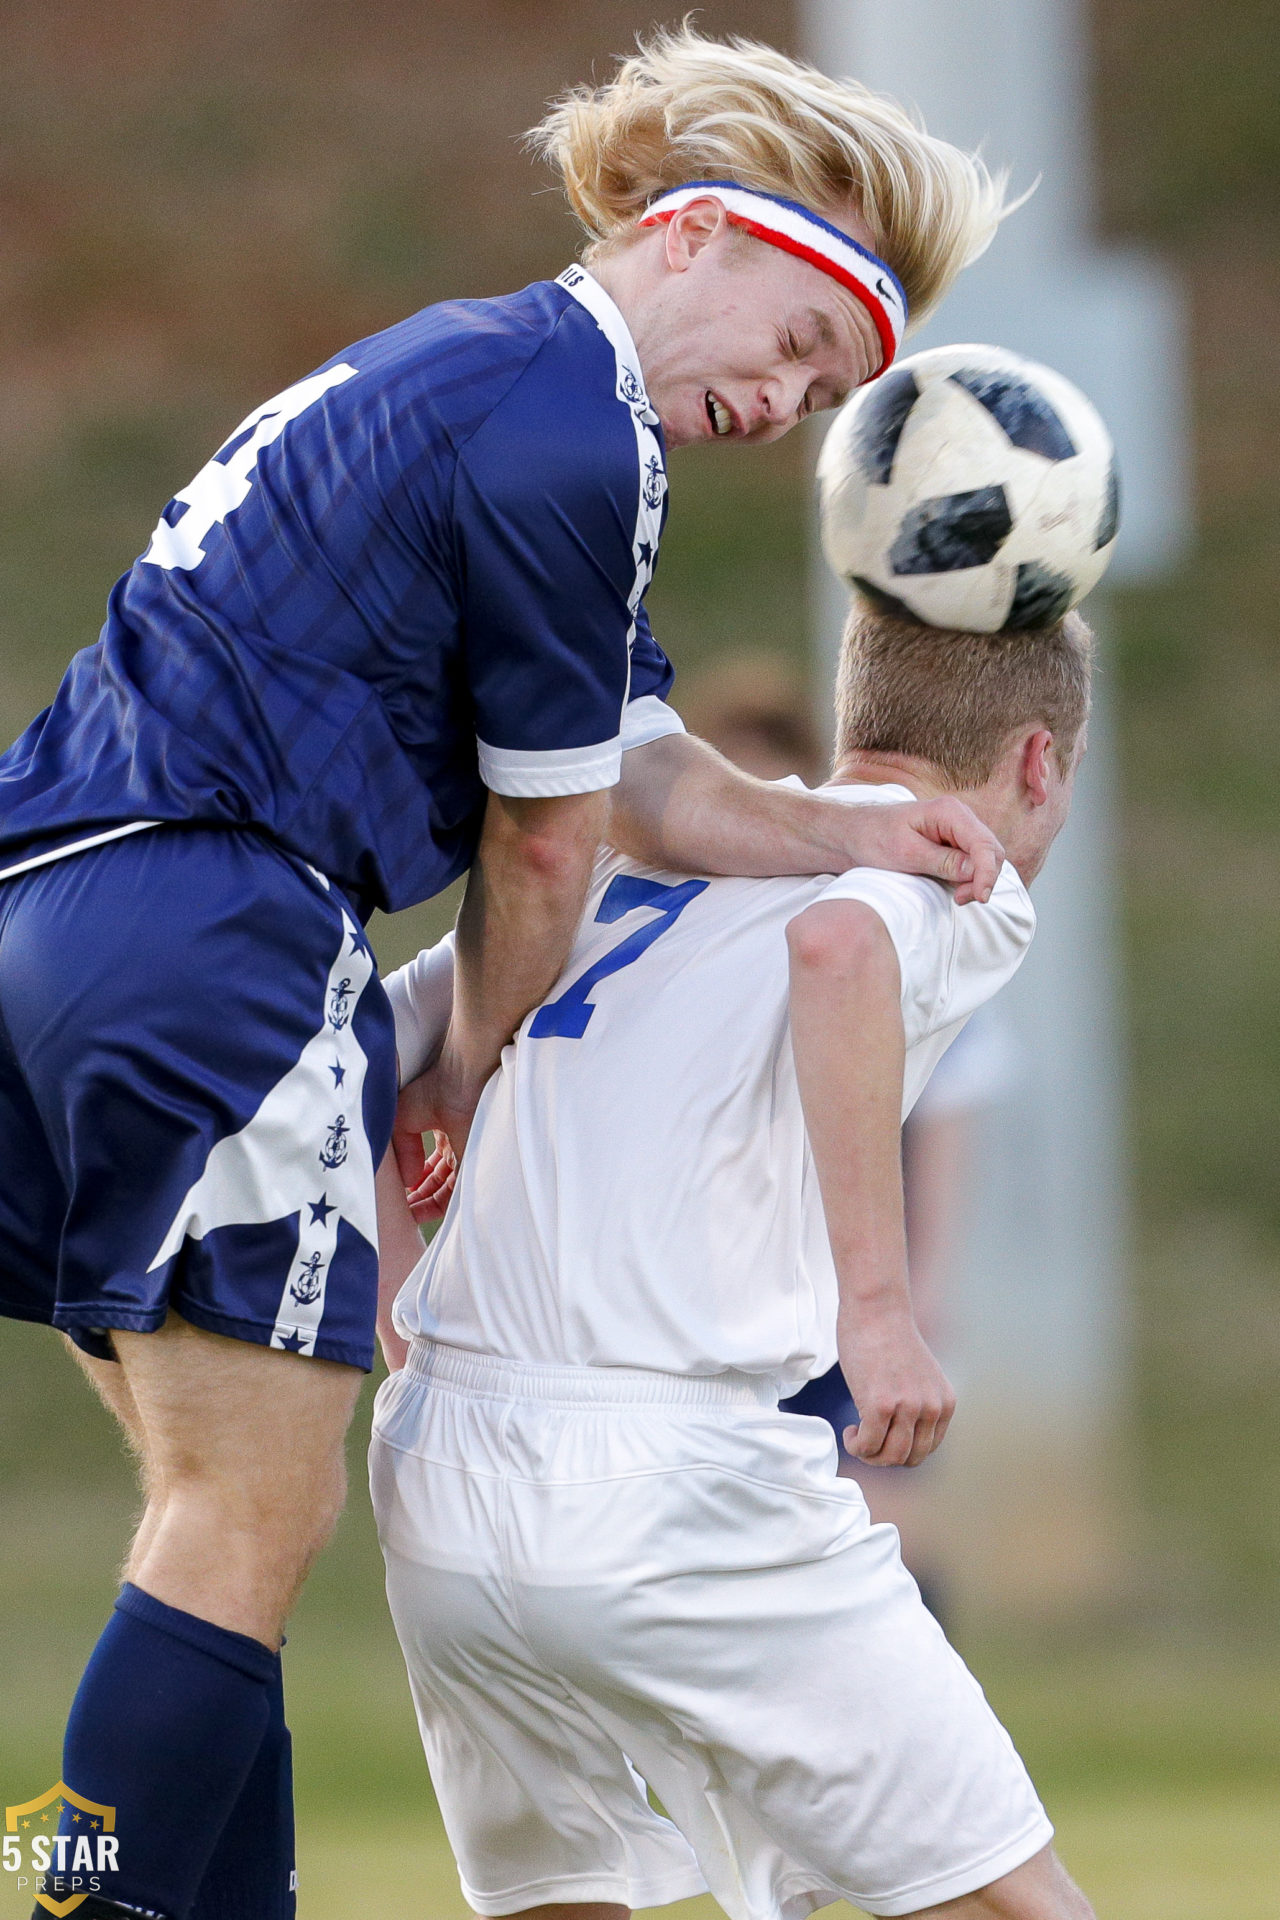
x=412 y=576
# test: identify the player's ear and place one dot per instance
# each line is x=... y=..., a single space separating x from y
x=692 y=230
x=1037 y=750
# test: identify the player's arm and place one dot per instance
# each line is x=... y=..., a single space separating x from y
x=542 y=525
x=524 y=897
x=399 y=1251
x=680 y=804
x=848 y=1039
x=421 y=996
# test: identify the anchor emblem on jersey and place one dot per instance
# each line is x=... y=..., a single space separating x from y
x=631 y=389
x=654 y=482
x=334 y=1150
x=340 y=1004
x=305 y=1286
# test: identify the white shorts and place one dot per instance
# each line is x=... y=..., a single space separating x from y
x=603 y=1579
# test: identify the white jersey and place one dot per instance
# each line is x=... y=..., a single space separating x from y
x=638 y=1189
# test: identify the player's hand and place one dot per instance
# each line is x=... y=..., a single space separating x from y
x=429 y=1199
x=904 y=1399
x=442 y=1101
x=942 y=839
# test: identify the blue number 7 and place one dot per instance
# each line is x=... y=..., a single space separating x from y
x=567 y=1017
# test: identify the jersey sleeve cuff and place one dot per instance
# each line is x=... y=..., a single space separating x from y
x=547 y=775
x=648 y=718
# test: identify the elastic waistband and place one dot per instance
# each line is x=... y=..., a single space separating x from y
x=483 y=1375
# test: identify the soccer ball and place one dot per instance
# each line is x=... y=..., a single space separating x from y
x=969 y=488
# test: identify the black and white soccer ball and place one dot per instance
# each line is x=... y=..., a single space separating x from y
x=969 y=488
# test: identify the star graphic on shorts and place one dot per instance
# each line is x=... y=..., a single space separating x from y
x=320 y=1210
x=294 y=1342
x=339 y=1073
x=358 y=943
x=645 y=550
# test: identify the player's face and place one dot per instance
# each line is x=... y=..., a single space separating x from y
x=745 y=340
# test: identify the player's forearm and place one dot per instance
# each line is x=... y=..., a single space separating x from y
x=399 y=1251
x=524 y=897
x=847 y=1033
x=679 y=804
x=847 y=1036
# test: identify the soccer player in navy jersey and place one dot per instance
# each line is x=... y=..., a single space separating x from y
x=392 y=632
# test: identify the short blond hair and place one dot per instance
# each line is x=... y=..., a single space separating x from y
x=954 y=699
x=688 y=108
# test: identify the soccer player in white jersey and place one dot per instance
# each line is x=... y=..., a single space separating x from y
x=612 y=1561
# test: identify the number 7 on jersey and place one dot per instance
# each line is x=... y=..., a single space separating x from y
x=568 y=1017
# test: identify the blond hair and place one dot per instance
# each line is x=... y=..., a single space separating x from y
x=688 y=108
x=954 y=699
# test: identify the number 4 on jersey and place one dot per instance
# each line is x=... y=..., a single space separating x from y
x=223 y=482
x=567 y=1018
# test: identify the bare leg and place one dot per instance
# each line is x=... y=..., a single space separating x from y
x=594 y=1910
x=243 y=1455
x=108 y=1381
x=1040 y=1889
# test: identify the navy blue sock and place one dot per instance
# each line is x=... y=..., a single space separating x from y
x=166 y=1727
x=251 y=1874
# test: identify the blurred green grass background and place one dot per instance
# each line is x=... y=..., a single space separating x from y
x=198 y=208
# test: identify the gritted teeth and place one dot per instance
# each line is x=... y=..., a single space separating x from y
x=719 y=415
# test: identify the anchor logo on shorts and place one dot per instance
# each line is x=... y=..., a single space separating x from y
x=629 y=387
x=655 y=481
x=340 y=1004
x=305 y=1287
x=334 y=1150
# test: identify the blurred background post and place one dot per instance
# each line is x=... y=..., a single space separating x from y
x=1031 y=1508
x=198 y=206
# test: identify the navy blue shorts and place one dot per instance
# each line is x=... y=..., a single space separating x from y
x=826 y=1398
x=197 y=1082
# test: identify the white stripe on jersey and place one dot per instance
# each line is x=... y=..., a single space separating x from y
x=74 y=846
x=631 y=391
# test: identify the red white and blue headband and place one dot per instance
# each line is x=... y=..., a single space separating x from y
x=786 y=224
